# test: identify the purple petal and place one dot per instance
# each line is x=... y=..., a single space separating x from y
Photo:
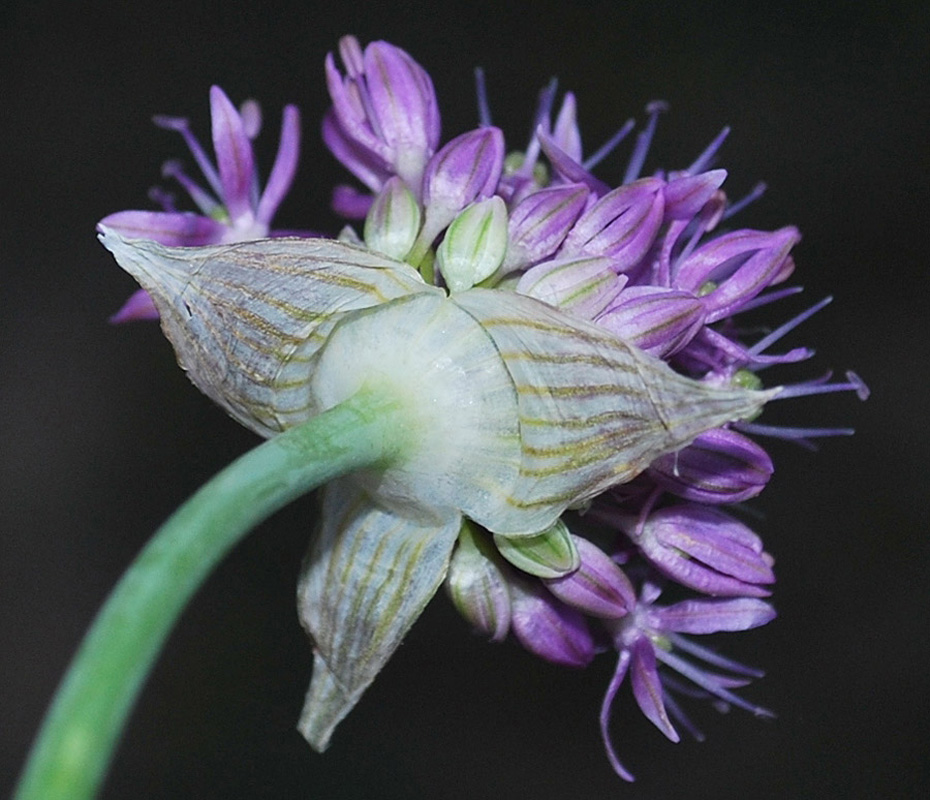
x=366 y=165
x=404 y=104
x=139 y=306
x=350 y=111
x=598 y=587
x=233 y=155
x=764 y=269
x=583 y=287
x=616 y=681
x=647 y=687
x=466 y=169
x=659 y=321
x=171 y=228
x=284 y=168
x=350 y=203
x=687 y=195
x=566 y=167
x=706 y=263
x=707 y=550
x=547 y=627
x=743 y=263
x=622 y=224
x=713 y=616
x=540 y=222
x=720 y=466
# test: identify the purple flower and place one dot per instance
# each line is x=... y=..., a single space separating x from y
x=704 y=549
x=732 y=269
x=548 y=627
x=720 y=466
x=236 y=210
x=621 y=225
x=659 y=321
x=650 y=638
x=384 y=120
x=598 y=587
x=467 y=169
x=540 y=222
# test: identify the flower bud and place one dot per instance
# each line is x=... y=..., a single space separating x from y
x=622 y=224
x=707 y=550
x=540 y=222
x=720 y=466
x=685 y=196
x=583 y=287
x=547 y=627
x=598 y=587
x=465 y=170
x=393 y=221
x=474 y=244
x=550 y=554
x=384 y=119
x=659 y=321
x=476 y=584
x=740 y=265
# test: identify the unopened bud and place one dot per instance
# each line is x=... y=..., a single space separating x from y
x=474 y=245
x=550 y=554
x=393 y=221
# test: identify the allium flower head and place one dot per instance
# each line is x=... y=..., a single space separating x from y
x=577 y=394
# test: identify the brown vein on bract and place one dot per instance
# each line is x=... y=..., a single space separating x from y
x=558 y=330
x=594 y=360
x=581 y=422
x=590 y=390
x=598 y=441
x=289 y=309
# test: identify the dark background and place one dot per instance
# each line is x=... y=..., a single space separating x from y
x=101 y=436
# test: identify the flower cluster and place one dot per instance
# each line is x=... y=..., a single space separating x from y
x=644 y=261
x=651 y=263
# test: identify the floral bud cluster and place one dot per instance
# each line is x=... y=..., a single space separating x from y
x=651 y=261
x=646 y=262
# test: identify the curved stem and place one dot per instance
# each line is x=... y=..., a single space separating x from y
x=73 y=749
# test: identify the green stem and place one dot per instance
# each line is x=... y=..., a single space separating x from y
x=73 y=749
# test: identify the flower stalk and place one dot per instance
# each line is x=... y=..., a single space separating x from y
x=73 y=749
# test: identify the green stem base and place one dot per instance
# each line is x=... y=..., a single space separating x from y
x=80 y=731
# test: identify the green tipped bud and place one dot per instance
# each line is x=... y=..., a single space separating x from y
x=393 y=220
x=550 y=554
x=474 y=245
x=476 y=584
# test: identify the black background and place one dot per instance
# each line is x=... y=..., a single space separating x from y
x=101 y=436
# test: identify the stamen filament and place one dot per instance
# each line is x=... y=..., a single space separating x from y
x=790 y=325
x=643 y=141
x=703 y=161
x=605 y=149
x=754 y=194
x=481 y=90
